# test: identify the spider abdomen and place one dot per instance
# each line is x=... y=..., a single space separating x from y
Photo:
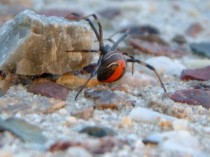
x=112 y=68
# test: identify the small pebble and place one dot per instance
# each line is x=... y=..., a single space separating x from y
x=98 y=131
x=180 y=39
x=202 y=48
x=49 y=89
x=126 y=122
x=144 y=114
x=72 y=120
x=104 y=99
x=84 y=114
x=63 y=111
x=24 y=130
x=55 y=107
x=78 y=151
x=180 y=124
x=194 y=29
x=192 y=97
x=164 y=124
x=201 y=74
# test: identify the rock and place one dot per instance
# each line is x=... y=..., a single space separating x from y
x=26 y=131
x=33 y=44
x=202 y=48
x=174 y=67
x=74 y=82
x=194 y=29
x=144 y=114
x=49 y=89
x=192 y=97
x=84 y=114
x=201 y=74
x=105 y=99
x=97 y=131
x=156 y=49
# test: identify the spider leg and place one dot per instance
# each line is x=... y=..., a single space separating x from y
x=116 y=43
x=114 y=46
x=149 y=67
x=111 y=40
x=91 y=76
x=100 y=34
x=132 y=57
x=86 y=51
x=88 y=20
x=110 y=37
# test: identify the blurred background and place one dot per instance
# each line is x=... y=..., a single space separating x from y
x=169 y=16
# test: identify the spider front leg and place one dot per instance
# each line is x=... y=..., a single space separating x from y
x=93 y=73
x=91 y=76
x=149 y=67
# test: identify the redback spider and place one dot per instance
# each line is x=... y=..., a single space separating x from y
x=111 y=65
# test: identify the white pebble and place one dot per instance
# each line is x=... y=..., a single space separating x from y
x=144 y=114
x=78 y=152
x=180 y=124
x=71 y=119
x=196 y=63
x=166 y=65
